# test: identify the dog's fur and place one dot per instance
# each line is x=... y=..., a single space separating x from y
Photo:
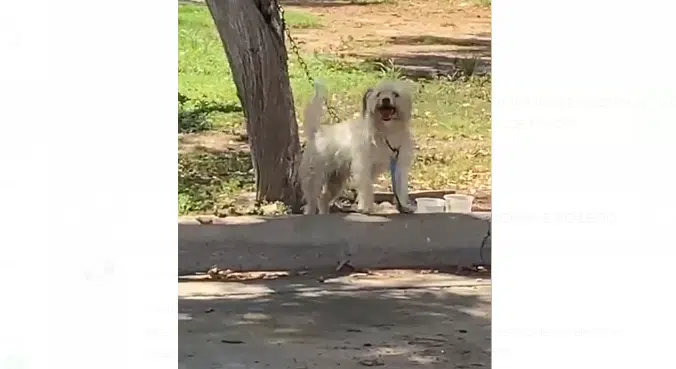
x=357 y=148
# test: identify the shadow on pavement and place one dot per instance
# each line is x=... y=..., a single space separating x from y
x=302 y=322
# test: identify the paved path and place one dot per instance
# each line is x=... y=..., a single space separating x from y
x=404 y=320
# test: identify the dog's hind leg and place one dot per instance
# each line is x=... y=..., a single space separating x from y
x=363 y=173
x=331 y=190
x=311 y=184
x=325 y=198
x=312 y=193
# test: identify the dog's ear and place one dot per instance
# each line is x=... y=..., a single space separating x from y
x=364 y=101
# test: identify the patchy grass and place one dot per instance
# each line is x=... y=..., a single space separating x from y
x=452 y=118
x=482 y=2
x=301 y=20
x=210 y=181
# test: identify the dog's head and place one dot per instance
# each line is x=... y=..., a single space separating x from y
x=389 y=103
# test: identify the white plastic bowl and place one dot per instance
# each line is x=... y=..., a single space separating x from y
x=430 y=205
x=457 y=203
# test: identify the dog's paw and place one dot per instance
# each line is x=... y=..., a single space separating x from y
x=308 y=210
x=366 y=209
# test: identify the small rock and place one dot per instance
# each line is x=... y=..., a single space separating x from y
x=367 y=345
x=462 y=330
x=371 y=362
x=354 y=330
x=209 y=310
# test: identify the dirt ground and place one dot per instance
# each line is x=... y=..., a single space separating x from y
x=428 y=31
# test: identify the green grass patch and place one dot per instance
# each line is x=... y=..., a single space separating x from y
x=452 y=118
x=482 y=2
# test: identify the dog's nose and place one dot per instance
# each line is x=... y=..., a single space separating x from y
x=387 y=101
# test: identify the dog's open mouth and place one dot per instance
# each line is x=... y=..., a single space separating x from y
x=386 y=112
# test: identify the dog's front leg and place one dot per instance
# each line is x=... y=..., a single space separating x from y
x=402 y=168
x=363 y=173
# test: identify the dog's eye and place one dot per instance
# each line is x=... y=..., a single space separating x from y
x=395 y=94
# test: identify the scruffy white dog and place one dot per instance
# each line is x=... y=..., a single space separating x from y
x=361 y=148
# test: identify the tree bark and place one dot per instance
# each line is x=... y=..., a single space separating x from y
x=253 y=37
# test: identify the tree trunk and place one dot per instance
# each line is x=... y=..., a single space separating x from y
x=253 y=37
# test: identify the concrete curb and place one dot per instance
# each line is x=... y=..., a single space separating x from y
x=322 y=241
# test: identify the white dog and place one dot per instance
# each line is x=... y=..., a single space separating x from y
x=362 y=148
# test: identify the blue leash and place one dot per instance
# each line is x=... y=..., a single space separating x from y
x=393 y=171
x=393 y=174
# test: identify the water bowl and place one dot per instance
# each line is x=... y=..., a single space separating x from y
x=430 y=205
x=457 y=203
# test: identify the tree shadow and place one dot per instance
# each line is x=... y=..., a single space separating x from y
x=205 y=167
x=205 y=174
x=430 y=65
x=213 y=143
x=327 y=322
x=440 y=57
x=193 y=114
x=478 y=43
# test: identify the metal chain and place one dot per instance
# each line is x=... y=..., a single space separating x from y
x=296 y=50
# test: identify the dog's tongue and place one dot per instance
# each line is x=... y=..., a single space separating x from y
x=386 y=113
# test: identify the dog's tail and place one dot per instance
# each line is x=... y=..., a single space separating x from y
x=313 y=112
